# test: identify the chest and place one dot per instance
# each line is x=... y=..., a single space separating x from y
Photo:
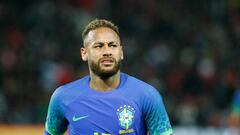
x=105 y=115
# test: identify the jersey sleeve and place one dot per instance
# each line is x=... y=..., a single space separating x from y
x=155 y=115
x=56 y=123
x=236 y=103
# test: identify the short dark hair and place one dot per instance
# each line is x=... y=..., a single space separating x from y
x=96 y=23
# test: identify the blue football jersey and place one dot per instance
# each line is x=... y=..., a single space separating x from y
x=133 y=108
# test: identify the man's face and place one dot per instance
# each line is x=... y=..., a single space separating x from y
x=103 y=51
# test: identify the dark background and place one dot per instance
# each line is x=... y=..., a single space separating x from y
x=188 y=49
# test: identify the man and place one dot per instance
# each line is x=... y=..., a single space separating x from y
x=106 y=102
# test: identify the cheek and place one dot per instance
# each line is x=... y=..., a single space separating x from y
x=93 y=56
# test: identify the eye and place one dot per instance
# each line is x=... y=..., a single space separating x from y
x=97 y=46
x=113 y=45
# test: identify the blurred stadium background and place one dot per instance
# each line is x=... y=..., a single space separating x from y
x=188 y=49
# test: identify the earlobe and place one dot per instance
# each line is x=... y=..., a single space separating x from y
x=83 y=52
x=122 y=57
x=122 y=53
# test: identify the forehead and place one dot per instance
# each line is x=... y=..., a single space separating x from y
x=102 y=34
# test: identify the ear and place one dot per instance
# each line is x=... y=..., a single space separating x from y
x=122 y=53
x=83 y=52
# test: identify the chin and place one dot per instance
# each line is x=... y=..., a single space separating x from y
x=106 y=73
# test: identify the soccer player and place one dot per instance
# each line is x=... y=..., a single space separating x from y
x=107 y=101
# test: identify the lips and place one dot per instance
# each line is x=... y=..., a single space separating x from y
x=107 y=61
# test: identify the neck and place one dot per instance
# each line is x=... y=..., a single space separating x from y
x=104 y=84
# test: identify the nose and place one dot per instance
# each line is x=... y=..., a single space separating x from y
x=107 y=51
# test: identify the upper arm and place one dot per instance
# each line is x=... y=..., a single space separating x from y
x=155 y=115
x=56 y=123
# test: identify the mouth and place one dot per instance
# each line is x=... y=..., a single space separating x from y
x=107 y=61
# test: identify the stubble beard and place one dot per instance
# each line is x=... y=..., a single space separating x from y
x=104 y=74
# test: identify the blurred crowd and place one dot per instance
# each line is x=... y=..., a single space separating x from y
x=188 y=49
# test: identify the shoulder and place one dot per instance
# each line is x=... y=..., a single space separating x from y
x=137 y=83
x=142 y=93
x=139 y=86
x=68 y=92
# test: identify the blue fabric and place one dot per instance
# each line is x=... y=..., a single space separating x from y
x=133 y=108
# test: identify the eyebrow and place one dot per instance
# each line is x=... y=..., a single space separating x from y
x=112 y=42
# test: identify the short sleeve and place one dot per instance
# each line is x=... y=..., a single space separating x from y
x=236 y=103
x=56 y=123
x=155 y=115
